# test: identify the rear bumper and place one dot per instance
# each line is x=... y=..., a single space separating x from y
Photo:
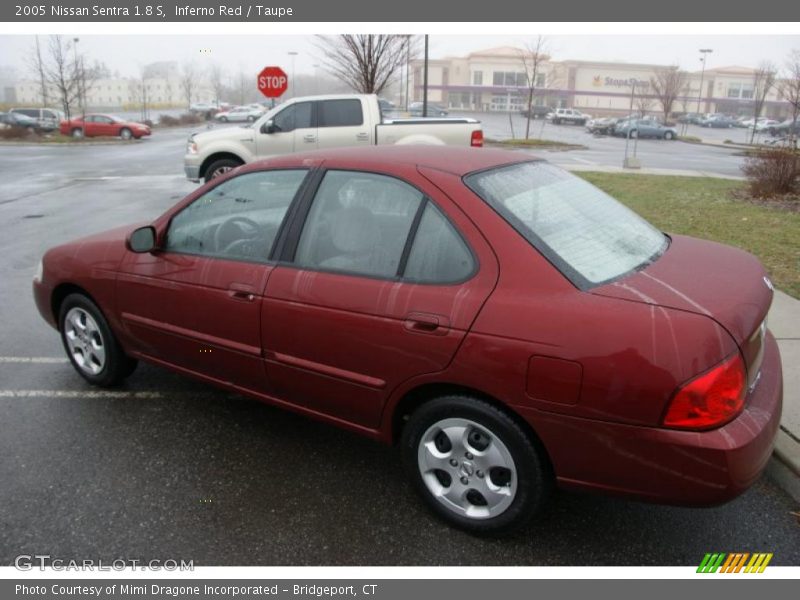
x=669 y=466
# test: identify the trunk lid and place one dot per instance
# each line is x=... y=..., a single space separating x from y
x=724 y=283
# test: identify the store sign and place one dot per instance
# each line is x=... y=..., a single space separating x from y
x=599 y=81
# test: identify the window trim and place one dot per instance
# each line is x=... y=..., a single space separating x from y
x=270 y=258
x=288 y=249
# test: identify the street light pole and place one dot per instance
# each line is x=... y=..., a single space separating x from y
x=78 y=75
x=425 y=82
x=293 y=54
x=705 y=52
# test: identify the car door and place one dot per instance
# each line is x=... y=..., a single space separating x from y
x=293 y=129
x=377 y=286
x=342 y=123
x=195 y=304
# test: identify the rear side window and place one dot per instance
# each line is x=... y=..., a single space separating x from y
x=438 y=254
x=340 y=113
x=27 y=112
x=358 y=223
x=296 y=116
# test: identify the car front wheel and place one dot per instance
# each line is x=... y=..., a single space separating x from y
x=125 y=133
x=77 y=133
x=669 y=135
x=474 y=466
x=90 y=345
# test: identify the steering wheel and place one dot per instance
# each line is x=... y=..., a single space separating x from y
x=240 y=229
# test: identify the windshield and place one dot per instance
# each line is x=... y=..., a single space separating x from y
x=583 y=231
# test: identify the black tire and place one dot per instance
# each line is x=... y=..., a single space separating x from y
x=220 y=167
x=125 y=133
x=533 y=480
x=117 y=365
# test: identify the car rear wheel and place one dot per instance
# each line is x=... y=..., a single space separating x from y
x=125 y=133
x=77 y=133
x=474 y=466
x=223 y=119
x=90 y=345
x=669 y=135
x=220 y=167
x=251 y=118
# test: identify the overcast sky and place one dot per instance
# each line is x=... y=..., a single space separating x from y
x=126 y=53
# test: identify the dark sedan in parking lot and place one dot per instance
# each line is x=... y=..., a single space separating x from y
x=505 y=322
x=644 y=128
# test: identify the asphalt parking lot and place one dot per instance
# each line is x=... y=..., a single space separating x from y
x=166 y=467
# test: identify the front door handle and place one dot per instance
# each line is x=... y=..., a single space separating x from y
x=241 y=292
x=362 y=137
x=309 y=138
x=426 y=323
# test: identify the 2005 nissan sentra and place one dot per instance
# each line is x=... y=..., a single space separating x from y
x=509 y=325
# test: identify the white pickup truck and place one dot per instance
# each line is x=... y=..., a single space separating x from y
x=316 y=122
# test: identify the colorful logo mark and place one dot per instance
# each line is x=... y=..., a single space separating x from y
x=735 y=562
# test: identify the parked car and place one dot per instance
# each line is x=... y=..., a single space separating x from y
x=717 y=122
x=434 y=110
x=786 y=128
x=203 y=107
x=604 y=125
x=504 y=322
x=537 y=112
x=644 y=128
x=94 y=125
x=313 y=122
x=691 y=118
x=10 y=119
x=47 y=119
x=569 y=115
x=240 y=114
x=386 y=106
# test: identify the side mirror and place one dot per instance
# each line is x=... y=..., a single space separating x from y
x=268 y=127
x=142 y=240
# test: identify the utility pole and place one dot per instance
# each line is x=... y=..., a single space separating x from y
x=425 y=82
x=705 y=52
x=408 y=66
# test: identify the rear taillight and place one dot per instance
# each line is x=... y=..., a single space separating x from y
x=711 y=399
x=477 y=139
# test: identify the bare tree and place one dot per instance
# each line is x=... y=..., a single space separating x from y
x=763 y=82
x=367 y=63
x=643 y=101
x=188 y=81
x=241 y=87
x=215 y=79
x=61 y=72
x=532 y=57
x=789 y=89
x=667 y=85
x=36 y=64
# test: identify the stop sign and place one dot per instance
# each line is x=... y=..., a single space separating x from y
x=272 y=82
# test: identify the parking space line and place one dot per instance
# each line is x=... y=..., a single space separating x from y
x=33 y=359
x=90 y=394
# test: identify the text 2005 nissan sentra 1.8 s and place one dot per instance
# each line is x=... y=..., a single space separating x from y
x=509 y=325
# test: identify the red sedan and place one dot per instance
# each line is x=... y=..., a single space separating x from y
x=103 y=125
x=509 y=325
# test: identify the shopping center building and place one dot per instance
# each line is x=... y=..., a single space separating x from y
x=495 y=80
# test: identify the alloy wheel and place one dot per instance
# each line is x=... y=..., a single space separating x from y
x=84 y=341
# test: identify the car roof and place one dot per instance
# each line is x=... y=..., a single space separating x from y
x=451 y=159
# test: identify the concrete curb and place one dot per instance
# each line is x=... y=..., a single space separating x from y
x=647 y=171
x=70 y=144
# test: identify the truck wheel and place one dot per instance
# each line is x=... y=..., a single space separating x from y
x=220 y=167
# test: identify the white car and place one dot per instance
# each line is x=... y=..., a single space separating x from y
x=569 y=115
x=765 y=124
x=240 y=114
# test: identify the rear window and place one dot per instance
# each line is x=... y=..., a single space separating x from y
x=583 y=231
x=340 y=113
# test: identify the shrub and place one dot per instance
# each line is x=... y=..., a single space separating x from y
x=191 y=118
x=15 y=132
x=167 y=121
x=773 y=172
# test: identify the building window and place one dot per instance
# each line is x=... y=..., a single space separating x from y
x=509 y=79
x=740 y=90
x=477 y=78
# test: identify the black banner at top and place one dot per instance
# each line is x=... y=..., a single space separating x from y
x=396 y=11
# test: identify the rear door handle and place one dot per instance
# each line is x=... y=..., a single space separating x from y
x=309 y=138
x=362 y=137
x=426 y=323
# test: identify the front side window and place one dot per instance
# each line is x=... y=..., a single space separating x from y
x=296 y=116
x=358 y=223
x=340 y=113
x=238 y=219
x=583 y=231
